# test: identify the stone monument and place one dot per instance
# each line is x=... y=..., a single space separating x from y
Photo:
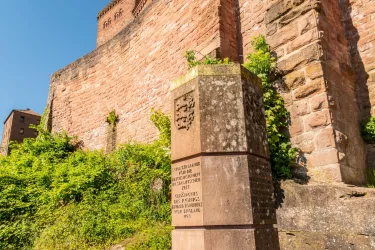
x=222 y=193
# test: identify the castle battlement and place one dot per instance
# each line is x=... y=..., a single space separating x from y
x=116 y=16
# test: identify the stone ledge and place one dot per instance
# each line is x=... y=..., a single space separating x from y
x=215 y=70
x=333 y=214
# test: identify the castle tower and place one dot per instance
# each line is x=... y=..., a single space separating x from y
x=113 y=18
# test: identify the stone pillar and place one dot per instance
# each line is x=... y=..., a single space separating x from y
x=222 y=193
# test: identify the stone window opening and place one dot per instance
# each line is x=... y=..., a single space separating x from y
x=118 y=15
x=109 y=21
x=22 y=131
x=105 y=25
x=22 y=119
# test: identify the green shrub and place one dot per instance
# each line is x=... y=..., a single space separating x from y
x=368 y=130
x=282 y=154
x=112 y=119
x=55 y=196
x=192 y=60
x=370 y=178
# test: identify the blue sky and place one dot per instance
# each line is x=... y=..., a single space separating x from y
x=37 y=38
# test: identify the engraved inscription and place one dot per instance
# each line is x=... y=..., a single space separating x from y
x=184 y=111
x=261 y=188
x=187 y=193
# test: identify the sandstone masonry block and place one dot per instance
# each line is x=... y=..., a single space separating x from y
x=311 y=88
x=294 y=79
x=296 y=127
x=317 y=119
x=314 y=70
x=300 y=58
x=319 y=102
x=323 y=158
x=300 y=108
x=325 y=138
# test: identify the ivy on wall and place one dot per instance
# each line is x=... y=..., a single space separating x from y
x=368 y=135
x=368 y=131
x=262 y=63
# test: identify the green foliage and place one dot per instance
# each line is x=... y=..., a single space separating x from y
x=368 y=130
x=56 y=196
x=192 y=60
x=163 y=124
x=112 y=118
x=370 y=178
x=282 y=154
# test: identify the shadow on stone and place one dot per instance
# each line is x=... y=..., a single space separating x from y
x=353 y=37
x=279 y=194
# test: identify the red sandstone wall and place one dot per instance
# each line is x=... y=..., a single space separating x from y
x=341 y=85
x=251 y=15
x=105 y=34
x=308 y=39
x=131 y=73
x=359 y=20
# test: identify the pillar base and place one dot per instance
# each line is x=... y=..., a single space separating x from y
x=225 y=239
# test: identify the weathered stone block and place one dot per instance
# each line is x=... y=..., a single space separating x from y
x=311 y=88
x=294 y=79
x=299 y=59
x=198 y=200
x=300 y=108
x=278 y=9
x=319 y=102
x=317 y=119
x=320 y=216
x=231 y=114
x=325 y=157
x=228 y=239
x=325 y=138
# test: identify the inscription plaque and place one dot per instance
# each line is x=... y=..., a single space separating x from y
x=187 y=204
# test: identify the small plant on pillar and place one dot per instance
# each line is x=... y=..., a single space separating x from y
x=192 y=60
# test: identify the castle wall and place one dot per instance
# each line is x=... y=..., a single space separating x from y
x=358 y=19
x=316 y=82
x=123 y=8
x=341 y=85
x=132 y=72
